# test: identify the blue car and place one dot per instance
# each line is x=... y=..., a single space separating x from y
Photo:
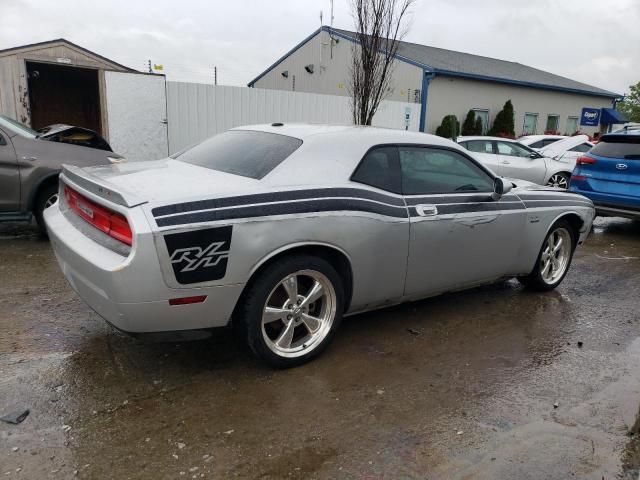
x=609 y=174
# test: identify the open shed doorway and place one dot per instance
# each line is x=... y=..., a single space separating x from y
x=64 y=94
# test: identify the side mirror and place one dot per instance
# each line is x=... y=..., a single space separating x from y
x=501 y=187
x=534 y=155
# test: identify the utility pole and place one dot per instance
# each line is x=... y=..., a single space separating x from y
x=149 y=63
x=215 y=75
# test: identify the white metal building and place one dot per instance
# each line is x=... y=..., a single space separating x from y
x=447 y=82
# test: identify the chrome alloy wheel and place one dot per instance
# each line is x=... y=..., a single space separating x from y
x=555 y=256
x=558 y=181
x=51 y=200
x=298 y=313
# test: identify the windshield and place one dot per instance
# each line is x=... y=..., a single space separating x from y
x=17 y=127
x=241 y=152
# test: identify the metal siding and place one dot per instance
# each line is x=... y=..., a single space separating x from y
x=331 y=73
x=198 y=111
x=457 y=96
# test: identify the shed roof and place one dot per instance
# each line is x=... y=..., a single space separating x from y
x=63 y=42
x=467 y=65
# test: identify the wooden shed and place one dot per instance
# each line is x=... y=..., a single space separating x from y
x=55 y=82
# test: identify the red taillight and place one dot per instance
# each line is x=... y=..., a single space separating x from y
x=113 y=224
x=584 y=160
x=187 y=300
x=578 y=178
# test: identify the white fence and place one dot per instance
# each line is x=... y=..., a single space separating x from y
x=197 y=111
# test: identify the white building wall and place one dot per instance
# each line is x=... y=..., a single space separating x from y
x=449 y=95
x=331 y=71
x=198 y=111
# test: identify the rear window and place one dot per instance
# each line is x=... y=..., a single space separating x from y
x=241 y=152
x=618 y=146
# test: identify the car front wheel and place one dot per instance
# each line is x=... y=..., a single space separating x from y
x=292 y=310
x=559 y=180
x=554 y=258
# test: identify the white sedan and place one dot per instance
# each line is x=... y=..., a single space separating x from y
x=509 y=158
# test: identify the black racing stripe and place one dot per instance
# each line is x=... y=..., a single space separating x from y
x=472 y=208
x=275 y=197
x=312 y=206
x=557 y=203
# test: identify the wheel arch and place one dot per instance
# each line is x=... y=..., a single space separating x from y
x=336 y=256
x=574 y=219
x=50 y=179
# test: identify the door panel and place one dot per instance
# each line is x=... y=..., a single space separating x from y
x=9 y=176
x=459 y=237
x=515 y=162
x=137 y=115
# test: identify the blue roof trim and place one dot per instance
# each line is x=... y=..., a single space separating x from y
x=429 y=68
x=285 y=56
x=540 y=86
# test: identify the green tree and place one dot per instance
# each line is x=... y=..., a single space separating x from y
x=449 y=128
x=478 y=126
x=630 y=106
x=503 y=124
x=469 y=125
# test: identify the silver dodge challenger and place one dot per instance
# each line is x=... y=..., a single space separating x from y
x=281 y=230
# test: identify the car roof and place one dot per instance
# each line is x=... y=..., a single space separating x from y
x=484 y=137
x=534 y=138
x=330 y=153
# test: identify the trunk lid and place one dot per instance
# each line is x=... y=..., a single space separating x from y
x=134 y=183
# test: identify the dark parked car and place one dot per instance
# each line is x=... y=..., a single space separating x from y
x=30 y=163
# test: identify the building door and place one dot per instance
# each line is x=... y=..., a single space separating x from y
x=63 y=94
x=530 y=124
x=137 y=115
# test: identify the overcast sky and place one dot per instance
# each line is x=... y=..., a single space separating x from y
x=593 y=41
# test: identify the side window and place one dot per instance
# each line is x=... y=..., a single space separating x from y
x=379 y=168
x=480 y=146
x=538 y=144
x=582 y=148
x=549 y=141
x=2 y=140
x=428 y=170
x=512 y=149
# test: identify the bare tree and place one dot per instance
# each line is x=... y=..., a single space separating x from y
x=379 y=29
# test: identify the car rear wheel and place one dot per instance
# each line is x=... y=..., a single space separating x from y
x=292 y=310
x=554 y=258
x=559 y=180
x=46 y=197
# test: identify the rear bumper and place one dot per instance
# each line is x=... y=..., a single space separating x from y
x=129 y=291
x=611 y=205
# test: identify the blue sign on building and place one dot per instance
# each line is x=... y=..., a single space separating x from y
x=590 y=117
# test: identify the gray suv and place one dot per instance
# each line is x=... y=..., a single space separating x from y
x=29 y=166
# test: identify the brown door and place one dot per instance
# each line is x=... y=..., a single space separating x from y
x=64 y=94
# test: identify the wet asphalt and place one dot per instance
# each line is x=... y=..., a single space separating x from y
x=495 y=383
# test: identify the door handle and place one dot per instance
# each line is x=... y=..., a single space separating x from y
x=505 y=162
x=30 y=158
x=427 y=210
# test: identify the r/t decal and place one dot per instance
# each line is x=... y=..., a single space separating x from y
x=196 y=257
x=199 y=256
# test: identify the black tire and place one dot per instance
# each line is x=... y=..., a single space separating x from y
x=44 y=196
x=535 y=280
x=261 y=288
x=562 y=181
